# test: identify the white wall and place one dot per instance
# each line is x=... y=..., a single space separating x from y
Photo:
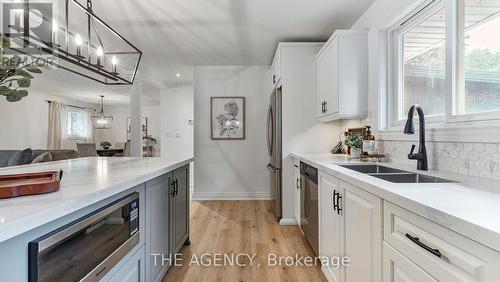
x=24 y=124
x=177 y=133
x=233 y=169
x=118 y=131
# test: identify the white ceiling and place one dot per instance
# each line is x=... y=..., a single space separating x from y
x=175 y=35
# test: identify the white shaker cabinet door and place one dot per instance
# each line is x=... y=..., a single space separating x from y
x=330 y=241
x=362 y=216
x=398 y=268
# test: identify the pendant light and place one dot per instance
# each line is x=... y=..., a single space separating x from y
x=102 y=121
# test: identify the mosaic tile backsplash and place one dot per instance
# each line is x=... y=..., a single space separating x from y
x=472 y=159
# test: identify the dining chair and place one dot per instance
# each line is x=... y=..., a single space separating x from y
x=86 y=150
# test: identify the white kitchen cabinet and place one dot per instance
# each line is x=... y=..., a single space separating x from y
x=362 y=228
x=440 y=252
x=276 y=67
x=298 y=184
x=158 y=192
x=342 y=76
x=398 y=268
x=330 y=224
x=350 y=224
x=133 y=270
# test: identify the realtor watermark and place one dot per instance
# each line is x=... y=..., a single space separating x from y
x=248 y=259
x=27 y=33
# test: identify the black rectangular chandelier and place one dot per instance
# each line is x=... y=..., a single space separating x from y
x=83 y=44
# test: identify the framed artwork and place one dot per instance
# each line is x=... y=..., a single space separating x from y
x=144 y=128
x=227 y=118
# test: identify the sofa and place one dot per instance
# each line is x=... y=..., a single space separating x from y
x=57 y=155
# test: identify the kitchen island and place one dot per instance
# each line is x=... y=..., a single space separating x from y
x=90 y=184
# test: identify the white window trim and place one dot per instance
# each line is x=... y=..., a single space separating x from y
x=449 y=127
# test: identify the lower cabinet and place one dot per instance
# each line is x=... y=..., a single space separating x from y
x=397 y=268
x=350 y=226
x=297 y=186
x=132 y=271
x=158 y=226
x=167 y=220
x=362 y=220
x=443 y=254
x=330 y=224
x=179 y=209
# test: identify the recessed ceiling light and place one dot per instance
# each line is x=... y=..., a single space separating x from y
x=178 y=75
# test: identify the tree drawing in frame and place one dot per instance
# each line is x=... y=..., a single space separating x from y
x=228 y=118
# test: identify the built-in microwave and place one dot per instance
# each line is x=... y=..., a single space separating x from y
x=88 y=248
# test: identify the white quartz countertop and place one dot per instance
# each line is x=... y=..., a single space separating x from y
x=85 y=182
x=470 y=207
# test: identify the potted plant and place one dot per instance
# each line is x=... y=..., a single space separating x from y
x=149 y=140
x=15 y=79
x=105 y=145
x=356 y=143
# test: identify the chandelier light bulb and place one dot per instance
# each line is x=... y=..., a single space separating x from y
x=114 y=61
x=99 y=52
x=78 y=40
x=55 y=27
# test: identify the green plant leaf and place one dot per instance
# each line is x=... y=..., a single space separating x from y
x=4 y=88
x=23 y=73
x=23 y=93
x=24 y=82
x=34 y=70
x=13 y=96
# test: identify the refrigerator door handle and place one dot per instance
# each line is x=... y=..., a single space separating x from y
x=270 y=130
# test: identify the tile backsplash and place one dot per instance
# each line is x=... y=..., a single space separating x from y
x=472 y=159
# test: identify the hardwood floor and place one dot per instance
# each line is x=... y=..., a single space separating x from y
x=249 y=227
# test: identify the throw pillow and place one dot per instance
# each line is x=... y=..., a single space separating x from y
x=21 y=158
x=43 y=158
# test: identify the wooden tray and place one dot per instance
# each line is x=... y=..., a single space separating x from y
x=25 y=184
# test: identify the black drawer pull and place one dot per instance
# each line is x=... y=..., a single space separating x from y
x=416 y=240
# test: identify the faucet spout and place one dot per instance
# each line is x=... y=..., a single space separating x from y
x=421 y=156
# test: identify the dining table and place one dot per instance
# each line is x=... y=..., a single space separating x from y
x=111 y=152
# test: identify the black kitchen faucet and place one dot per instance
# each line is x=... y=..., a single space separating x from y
x=421 y=156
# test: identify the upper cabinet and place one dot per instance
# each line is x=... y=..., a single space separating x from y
x=342 y=76
x=276 y=67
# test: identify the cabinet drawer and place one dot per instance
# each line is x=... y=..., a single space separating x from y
x=398 y=268
x=444 y=254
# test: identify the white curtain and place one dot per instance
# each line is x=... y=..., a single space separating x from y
x=57 y=126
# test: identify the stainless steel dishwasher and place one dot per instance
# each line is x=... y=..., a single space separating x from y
x=309 y=205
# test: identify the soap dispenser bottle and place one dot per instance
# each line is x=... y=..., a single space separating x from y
x=369 y=145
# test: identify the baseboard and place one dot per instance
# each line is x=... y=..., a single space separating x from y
x=206 y=196
x=288 y=221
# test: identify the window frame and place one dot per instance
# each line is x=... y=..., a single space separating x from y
x=453 y=67
x=73 y=136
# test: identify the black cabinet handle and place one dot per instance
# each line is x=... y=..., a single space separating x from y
x=333 y=200
x=336 y=201
x=173 y=188
x=176 y=187
x=326 y=107
x=416 y=240
x=298 y=183
x=274 y=78
x=339 y=199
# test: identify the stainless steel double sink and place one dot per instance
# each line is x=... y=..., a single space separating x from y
x=395 y=175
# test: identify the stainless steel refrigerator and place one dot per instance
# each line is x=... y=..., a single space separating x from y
x=274 y=149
